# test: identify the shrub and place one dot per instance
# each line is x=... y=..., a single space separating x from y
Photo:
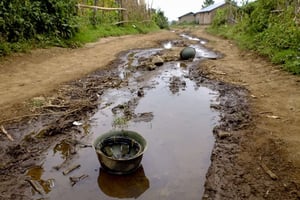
x=25 y=19
x=160 y=19
x=269 y=27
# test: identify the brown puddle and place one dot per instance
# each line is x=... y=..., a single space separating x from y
x=174 y=116
x=35 y=174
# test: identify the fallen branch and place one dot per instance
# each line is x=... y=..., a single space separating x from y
x=75 y=180
x=276 y=11
x=31 y=115
x=55 y=106
x=98 y=8
x=45 y=114
x=123 y=22
x=36 y=186
x=6 y=133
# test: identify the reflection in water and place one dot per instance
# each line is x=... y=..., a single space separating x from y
x=125 y=186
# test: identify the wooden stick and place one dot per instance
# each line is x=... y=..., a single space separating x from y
x=276 y=11
x=269 y=172
x=74 y=180
x=55 y=106
x=45 y=114
x=98 y=8
x=67 y=171
x=36 y=186
x=30 y=115
x=122 y=22
x=6 y=133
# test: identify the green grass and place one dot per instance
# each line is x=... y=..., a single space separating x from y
x=288 y=59
x=91 y=33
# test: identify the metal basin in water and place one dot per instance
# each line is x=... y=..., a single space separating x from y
x=120 y=152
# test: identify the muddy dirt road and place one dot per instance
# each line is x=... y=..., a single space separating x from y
x=49 y=99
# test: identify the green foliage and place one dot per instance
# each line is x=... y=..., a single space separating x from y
x=220 y=18
x=27 y=24
x=160 y=19
x=24 y=20
x=293 y=66
x=207 y=3
x=4 y=48
x=120 y=122
x=268 y=27
x=280 y=57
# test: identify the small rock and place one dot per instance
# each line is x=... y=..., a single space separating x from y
x=76 y=123
x=223 y=134
x=157 y=60
x=215 y=106
x=140 y=92
x=151 y=67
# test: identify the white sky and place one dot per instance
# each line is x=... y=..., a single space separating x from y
x=176 y=8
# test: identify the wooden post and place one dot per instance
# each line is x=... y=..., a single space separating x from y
x=102 y=12
x=119 y=12
x=124 y=12
x=85 y=3
x=95 y=12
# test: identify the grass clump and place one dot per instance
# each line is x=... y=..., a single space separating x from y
x=268 y=27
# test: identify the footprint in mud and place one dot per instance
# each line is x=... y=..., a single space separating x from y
x=176 y=83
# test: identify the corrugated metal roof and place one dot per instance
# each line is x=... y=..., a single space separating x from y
x=190 y=13
x=212 y=7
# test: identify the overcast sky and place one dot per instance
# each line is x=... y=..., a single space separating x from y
x=176 y=8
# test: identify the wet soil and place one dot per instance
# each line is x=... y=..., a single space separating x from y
x=255 y=155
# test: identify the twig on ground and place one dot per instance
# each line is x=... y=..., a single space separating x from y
x=36 y=186
x=6 y=133
x=75 y=180
x=272 y=175
x=69 y=170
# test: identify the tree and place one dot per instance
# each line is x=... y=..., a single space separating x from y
x=232 y=2
x=207 y=3
x=160 y=19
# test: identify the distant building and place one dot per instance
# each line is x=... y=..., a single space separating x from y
x=187 y=18
x=206 y=15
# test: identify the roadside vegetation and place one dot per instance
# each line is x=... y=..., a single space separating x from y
x=269 y=27
x=28 y=24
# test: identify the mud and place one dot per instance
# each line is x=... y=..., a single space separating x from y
x=52 y=126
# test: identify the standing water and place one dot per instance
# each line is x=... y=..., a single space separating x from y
x=173 y=114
